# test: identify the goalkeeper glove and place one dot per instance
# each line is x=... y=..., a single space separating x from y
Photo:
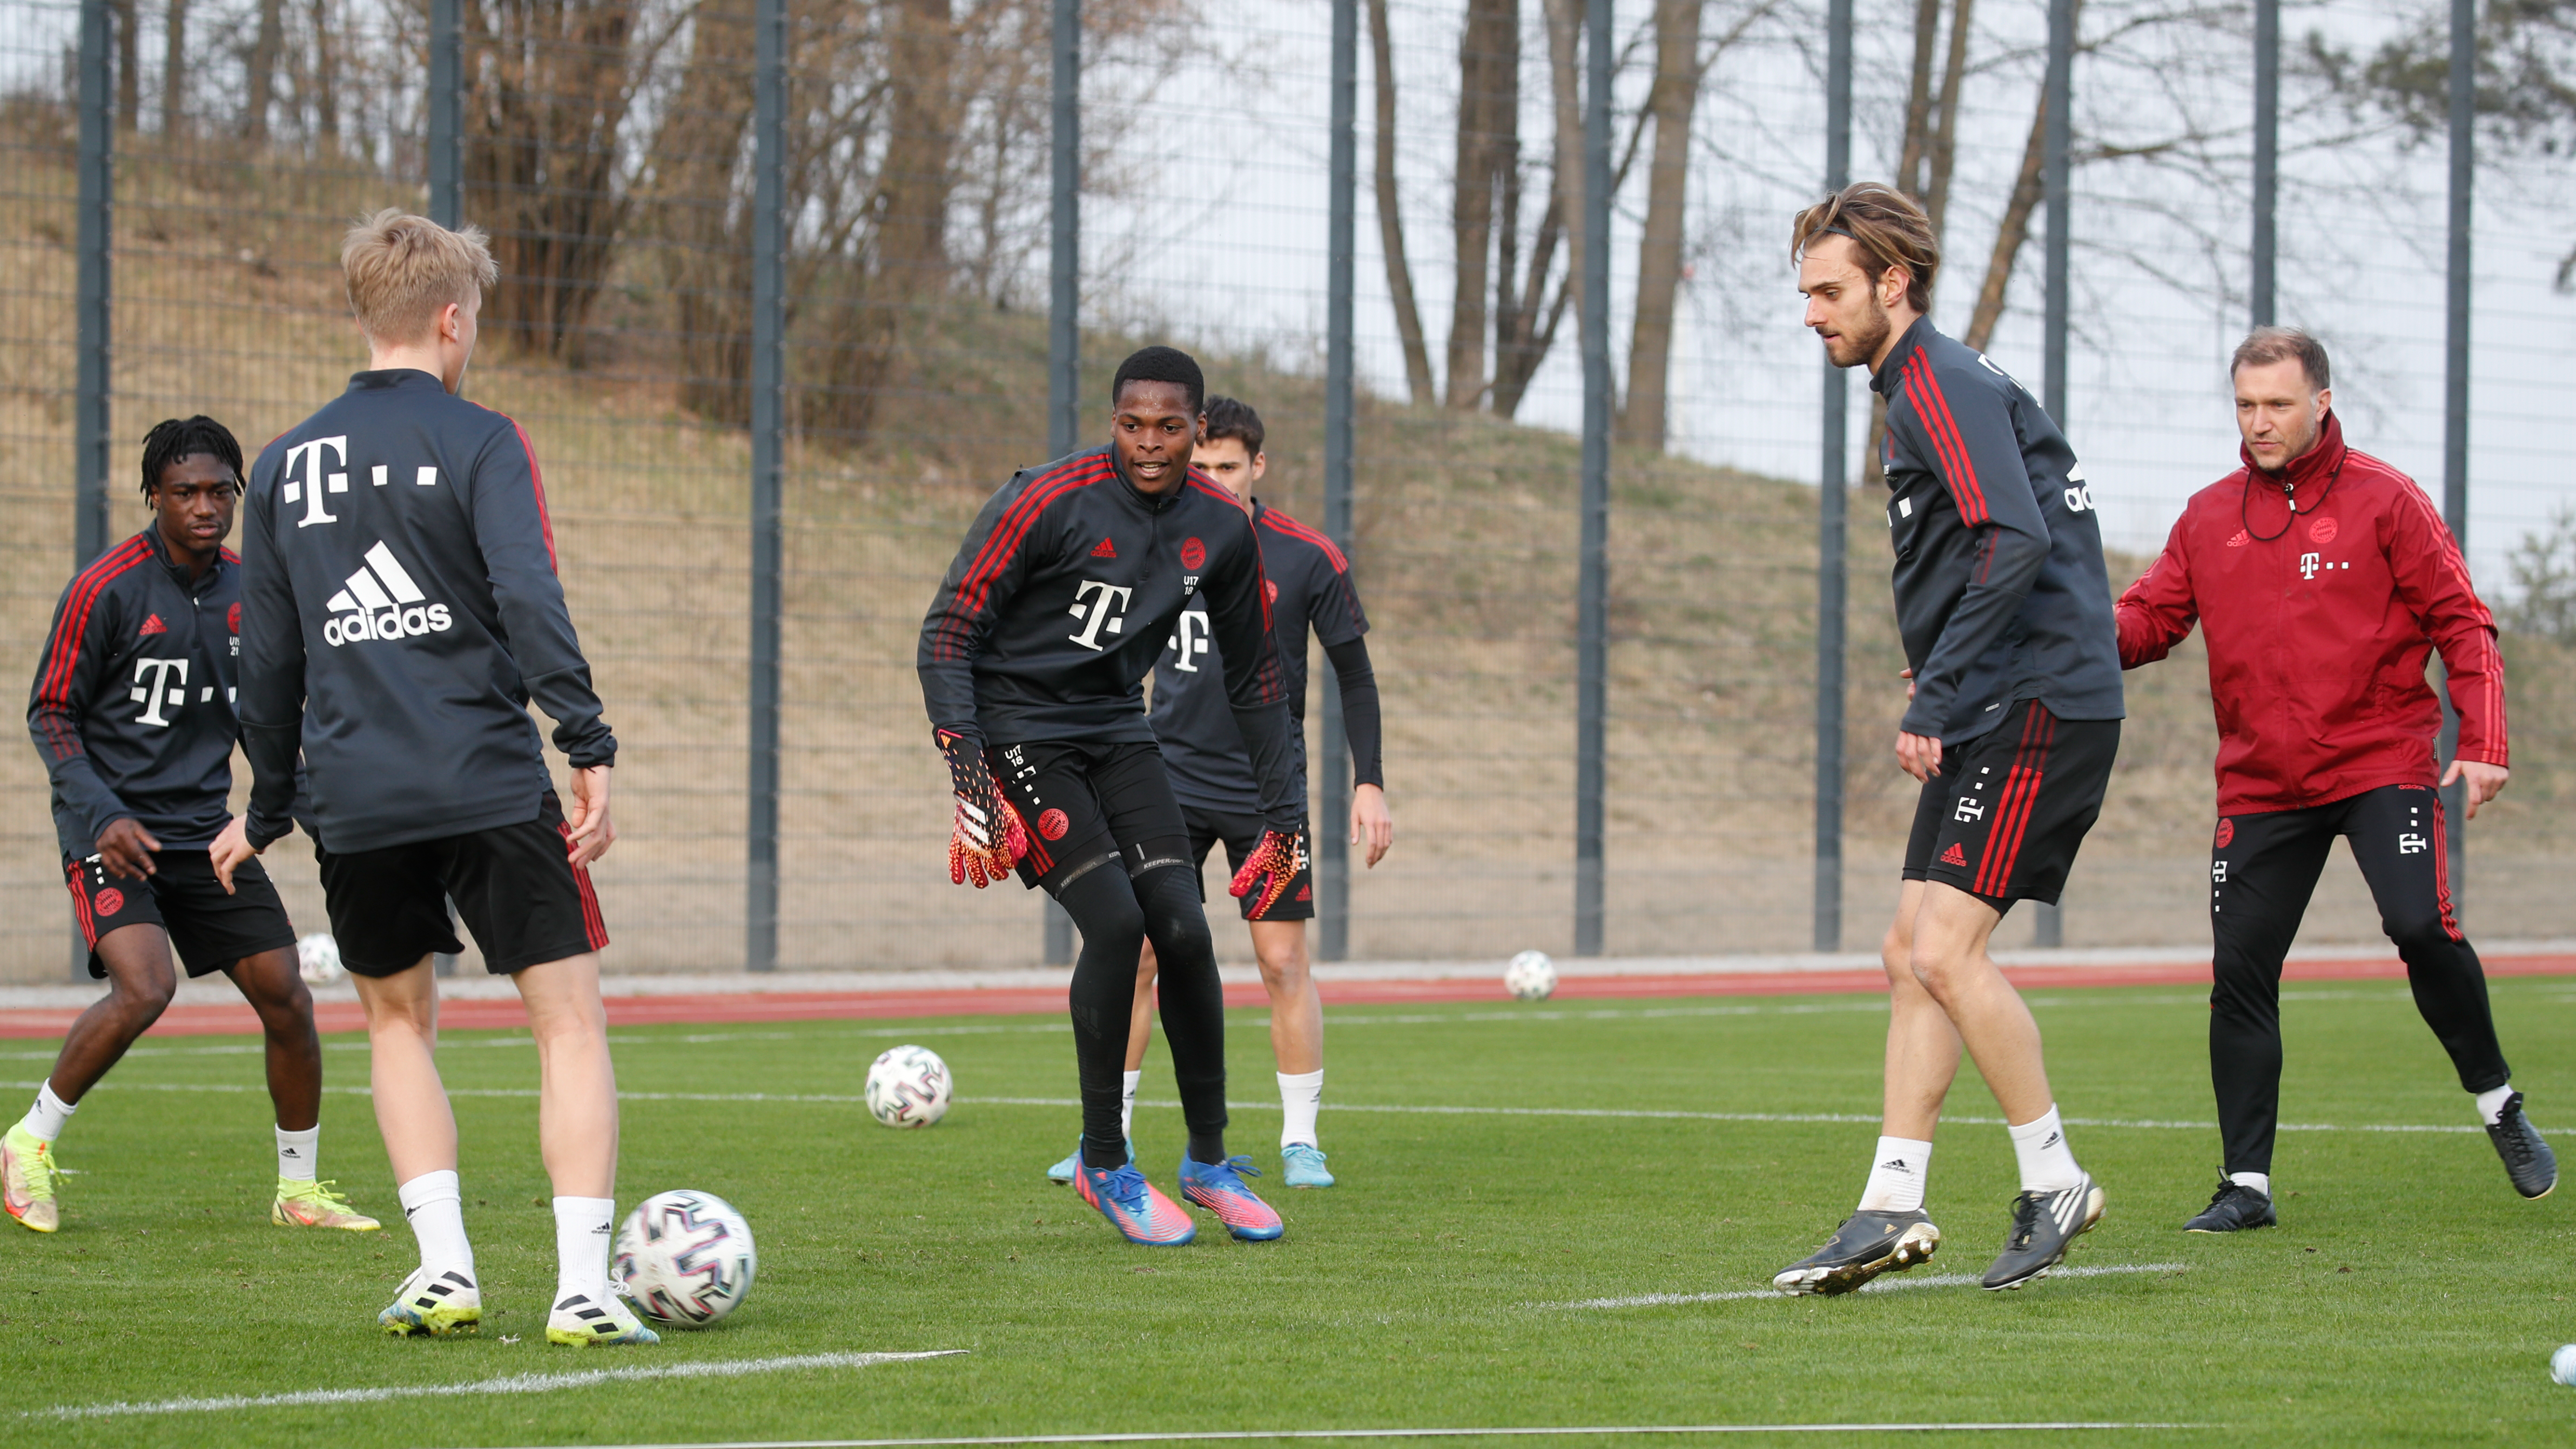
x=988 y=838
x=1267 y=872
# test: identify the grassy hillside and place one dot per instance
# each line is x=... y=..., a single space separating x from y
x=228 y=303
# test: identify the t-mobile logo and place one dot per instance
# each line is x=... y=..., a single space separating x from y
x=159 y=684
x=310 y=488
x=1098 y=605
x=1189 y=643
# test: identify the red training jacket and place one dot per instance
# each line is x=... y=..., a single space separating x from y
x=2319 y=619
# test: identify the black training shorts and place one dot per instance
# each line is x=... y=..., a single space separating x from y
x=209 y=929
x=2004 y=817
x=515 y=885
x=1242 y=834
x=1087 y=803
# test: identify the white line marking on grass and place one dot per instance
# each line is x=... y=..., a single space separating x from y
x=1883 y=1285
x=512 y=1384
x=1186 y=1437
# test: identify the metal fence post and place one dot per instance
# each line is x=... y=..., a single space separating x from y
x=446 y=119
x=1332 y=796
x=2267 y=154
x=768 y=438
x=93 y=517
x=1593 y=589
x=1833 y=505
x=2048 y=924
x=1064 y=302
x=2455 y=380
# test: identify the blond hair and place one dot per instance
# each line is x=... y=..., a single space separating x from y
x=2267 y=345
x=403 y=270
x=1886 y=228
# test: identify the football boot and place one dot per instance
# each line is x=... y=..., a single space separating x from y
x=1133 y=1207
x=2044 y=1226
x=578 y=1322
x=2234 y=1208
x=1218 y=1187
x=1062 y=1173
x=1301 y=1164
x=2527 y=1158
x=304 y=1203
x=1867 y=1244
x=437 y=1307
x=27 y=1180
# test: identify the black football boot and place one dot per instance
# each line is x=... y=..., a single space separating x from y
x=2527 y=1158
x=2234 y=1208
x=2045 y=1225
x=1866 y=1245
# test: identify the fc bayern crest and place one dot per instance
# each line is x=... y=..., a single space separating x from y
x=1052 y=824
x=1193 y=554
x=232 y=617
x=2321 y=531
x=2226 y=833
x=110 y=901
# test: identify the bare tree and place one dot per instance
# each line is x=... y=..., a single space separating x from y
x=129 y=64
x=326 y=76
x=259 y=82
x=1675 y=98
x=1489 y=58
x=1390 y=218
x=174 y=64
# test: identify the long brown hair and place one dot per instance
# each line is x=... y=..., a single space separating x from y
x=1887 y=229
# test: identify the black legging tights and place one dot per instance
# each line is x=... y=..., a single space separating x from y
x=1117 y=914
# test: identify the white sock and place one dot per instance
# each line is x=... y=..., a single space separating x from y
x=1301 y=1096
x=436 y=1209
x=1127 y=1105
x=2259 y=1181
x=1897 y=1176
x=297 y=1152
x=46 y=1120
x=2490 y=1104
x=582 y=1226
x=2047 y=1165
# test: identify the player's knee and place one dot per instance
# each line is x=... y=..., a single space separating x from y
x=141 y=1000
x=2416 y=928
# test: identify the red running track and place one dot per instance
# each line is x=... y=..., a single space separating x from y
x=235 y=1018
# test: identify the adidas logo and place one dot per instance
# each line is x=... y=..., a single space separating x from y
x=153 y=625
x=2240 y=540
x=1954 y=855
x=1105 y=550
x=380 y=601
x=1895 y=1164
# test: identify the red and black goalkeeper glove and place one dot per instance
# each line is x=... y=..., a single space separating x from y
x=988 y=838
x=1268 y=872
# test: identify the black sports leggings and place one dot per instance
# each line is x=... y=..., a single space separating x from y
x=1117 y=914
x=2263 y=870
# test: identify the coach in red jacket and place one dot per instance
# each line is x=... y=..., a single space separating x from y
x=2322 y=578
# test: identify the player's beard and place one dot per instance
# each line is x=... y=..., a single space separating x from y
x=1859 y=344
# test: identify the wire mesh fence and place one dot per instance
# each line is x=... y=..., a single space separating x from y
x=607 y=147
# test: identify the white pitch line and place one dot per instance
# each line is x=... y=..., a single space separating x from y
x=1883 y=1285
x=1553 y=1431
x=513 y=1384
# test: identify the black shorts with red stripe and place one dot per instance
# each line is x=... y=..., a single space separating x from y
x=515 y=885
x=1088 y=804
x=2003 y=819
x=209 y=927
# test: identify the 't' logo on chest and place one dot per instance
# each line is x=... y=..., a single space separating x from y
x=1101 y=608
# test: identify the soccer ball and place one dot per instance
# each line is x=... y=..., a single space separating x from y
x=1531 y=976
x=908 y=1087
x=684 y=1258
x=317 y=957
x=2562 y=1364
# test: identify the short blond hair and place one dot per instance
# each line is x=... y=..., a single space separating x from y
x=403 y=270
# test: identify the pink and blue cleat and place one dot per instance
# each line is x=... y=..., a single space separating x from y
x=1135 y=1209
x=1218 y=1187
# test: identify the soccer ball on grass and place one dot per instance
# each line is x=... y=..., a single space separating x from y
x=684 y=1258
x=1530 y=976
x=908 y=1087
x=317 y=958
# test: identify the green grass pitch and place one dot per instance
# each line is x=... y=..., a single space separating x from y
x=2409 y=1298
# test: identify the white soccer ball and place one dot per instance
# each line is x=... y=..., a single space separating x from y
x=2562 y=1364
x=908 y=1087
x=318 y=957
x=685 y=1258
x=1531 y=976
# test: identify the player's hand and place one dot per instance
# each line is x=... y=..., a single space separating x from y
x=230 y=849
x=1371 y=822
x=1918 y=755
x=987 y=838
x=587 y=820
x=125 y=848
x=1266 y=872
x=2485 y=783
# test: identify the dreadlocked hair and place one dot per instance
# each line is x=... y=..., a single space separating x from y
x=1161 y=364
x=172 y=439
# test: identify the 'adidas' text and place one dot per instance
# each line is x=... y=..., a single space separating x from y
x=380 y=601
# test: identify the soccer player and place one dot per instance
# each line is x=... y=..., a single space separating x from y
x=2321 y=578
x=2013 y=719
x=1310 y=587
x=132 y=711
x=1032 y=661
x=400 y=610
